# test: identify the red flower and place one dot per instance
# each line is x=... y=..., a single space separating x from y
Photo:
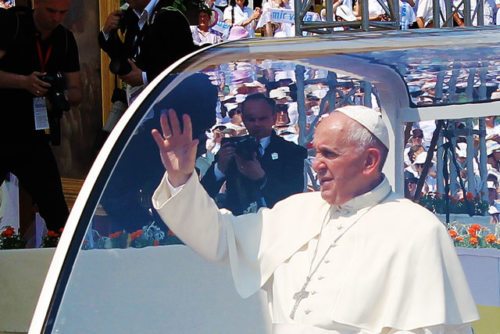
x=469 y=196
x=453 y=234
x=459 y=238
x=476 y=227
x=115 y=235
x=8 y=232
x=473 y=241
x=472 y=232
x=136 y=234
x=52 y=234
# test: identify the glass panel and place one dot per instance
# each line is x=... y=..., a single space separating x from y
x=120 y=278
x=123 y=280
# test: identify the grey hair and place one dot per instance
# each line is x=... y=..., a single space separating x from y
x=364 y=139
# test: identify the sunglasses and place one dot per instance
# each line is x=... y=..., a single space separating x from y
x=419 y=165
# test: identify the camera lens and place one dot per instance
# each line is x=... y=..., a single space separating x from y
x=120 y=66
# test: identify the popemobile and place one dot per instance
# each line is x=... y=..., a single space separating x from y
x=119 y=269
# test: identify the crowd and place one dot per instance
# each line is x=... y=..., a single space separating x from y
x=219 y=22
x=467 y=164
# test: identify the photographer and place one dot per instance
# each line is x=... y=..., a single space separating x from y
x=260 y=169
x=39 y=80
x=143 y=40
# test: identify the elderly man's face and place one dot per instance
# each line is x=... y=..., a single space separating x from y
x=339 y=164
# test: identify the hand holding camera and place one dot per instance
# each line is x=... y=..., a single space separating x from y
x=35 y=85
x=243 y=150
x=134 y=75
x=119 y=64
x=112 y=21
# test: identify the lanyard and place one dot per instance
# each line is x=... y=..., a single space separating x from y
x=44 y=59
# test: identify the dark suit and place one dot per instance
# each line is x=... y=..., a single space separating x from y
x=283 y=163
x=166 y=38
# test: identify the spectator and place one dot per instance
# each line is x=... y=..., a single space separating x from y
x=425 y=15
x=156 y=35
x=430 y=184
x=238 y=14
x=416 y=138
x=24 y=92
x=202 y=35
x=269 y=173
x=236 y=119
x=458 y=16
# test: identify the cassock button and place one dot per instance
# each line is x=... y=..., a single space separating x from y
x=307 y=312
x=327 y=261
x=320 y=278
x=313 y=292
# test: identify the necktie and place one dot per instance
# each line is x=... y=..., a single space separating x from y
x=261 y=150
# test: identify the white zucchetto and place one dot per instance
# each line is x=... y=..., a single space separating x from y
x=369 y=119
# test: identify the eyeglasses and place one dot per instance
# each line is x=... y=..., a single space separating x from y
x=419 y=165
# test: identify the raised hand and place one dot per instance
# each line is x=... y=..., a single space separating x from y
x=177 y=148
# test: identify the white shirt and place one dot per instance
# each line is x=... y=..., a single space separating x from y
x=424 y=10
x=200 y=37
x=145 y=16
x=240 y=16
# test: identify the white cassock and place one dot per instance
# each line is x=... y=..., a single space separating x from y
x=392 y=270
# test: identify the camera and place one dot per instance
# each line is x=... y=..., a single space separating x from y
x=245 y=146
x=120 y=66
x=58 y=104
x=55 y=94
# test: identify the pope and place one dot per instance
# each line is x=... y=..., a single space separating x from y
x=354 y=257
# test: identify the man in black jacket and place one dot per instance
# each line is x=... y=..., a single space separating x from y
x=155 y=36
x=261 y=174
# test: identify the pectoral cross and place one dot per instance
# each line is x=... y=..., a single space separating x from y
x=298 y=296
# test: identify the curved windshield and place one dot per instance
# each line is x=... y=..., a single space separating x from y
x=131 y=273
x=129 y=259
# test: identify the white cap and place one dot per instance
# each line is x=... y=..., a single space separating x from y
x=254 y=84
x=230 y=106
x=278 y=94
x=345 y=12
x=240 y=98
x=369 y=119
x=492 y=146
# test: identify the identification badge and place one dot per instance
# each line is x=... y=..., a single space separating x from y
x=40 y=113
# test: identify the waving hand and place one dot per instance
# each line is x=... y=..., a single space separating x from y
x=177 y=148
